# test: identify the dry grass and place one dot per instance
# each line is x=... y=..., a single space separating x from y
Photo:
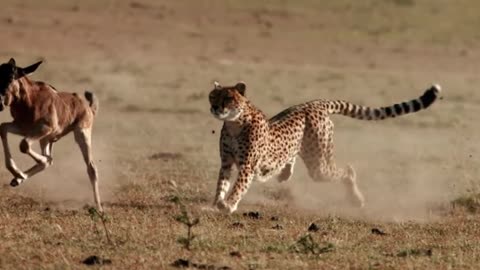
x=152 y=64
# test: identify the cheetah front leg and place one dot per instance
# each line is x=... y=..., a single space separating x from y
x=223 y=183
x=245 y=177
x=287 y=171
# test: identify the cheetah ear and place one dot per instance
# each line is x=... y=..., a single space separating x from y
x=217 y=85
x=241 y=87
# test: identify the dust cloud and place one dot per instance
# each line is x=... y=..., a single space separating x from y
x=414 y=200
x=65 y=184
x=400 y=182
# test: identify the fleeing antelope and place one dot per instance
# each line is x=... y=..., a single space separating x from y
x=41 y=113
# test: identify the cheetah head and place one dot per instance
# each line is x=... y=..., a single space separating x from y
x=227 y=103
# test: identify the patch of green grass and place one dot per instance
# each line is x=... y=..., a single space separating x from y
x=307 y=245
x=276 y=248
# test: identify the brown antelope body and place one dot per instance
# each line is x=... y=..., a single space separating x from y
x=41 y=113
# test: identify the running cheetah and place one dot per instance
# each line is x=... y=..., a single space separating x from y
x=262 y=148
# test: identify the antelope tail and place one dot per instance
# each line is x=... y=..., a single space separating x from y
x=92 y=101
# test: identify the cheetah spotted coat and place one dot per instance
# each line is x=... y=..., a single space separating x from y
x=261 y=148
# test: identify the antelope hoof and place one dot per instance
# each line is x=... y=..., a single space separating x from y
x=15 y=182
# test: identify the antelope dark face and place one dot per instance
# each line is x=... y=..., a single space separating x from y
x=9 y=75
x=227 y=102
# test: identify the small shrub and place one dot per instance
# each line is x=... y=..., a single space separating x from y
x=306 y=244
x=95 y=216
x=470 y=202
x=189 y=222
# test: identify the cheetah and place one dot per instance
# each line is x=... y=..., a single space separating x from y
x=261 y=148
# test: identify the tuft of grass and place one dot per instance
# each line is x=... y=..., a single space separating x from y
x=307 y=245
x=470 y=202
x=276 y=248
x=415 y=252
x=174 y=199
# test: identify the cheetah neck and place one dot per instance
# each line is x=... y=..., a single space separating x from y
x=250 y=116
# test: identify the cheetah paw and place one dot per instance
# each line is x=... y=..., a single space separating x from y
x=225 y=207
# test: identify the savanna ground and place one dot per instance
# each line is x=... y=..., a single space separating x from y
x=152 y=64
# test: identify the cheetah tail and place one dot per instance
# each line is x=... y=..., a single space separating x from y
x=368 y=113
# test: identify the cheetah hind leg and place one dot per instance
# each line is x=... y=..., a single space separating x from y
x=321 y=172
x=287 y=171
x=353 y=192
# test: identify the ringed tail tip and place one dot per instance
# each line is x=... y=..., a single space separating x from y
x=436 y=87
